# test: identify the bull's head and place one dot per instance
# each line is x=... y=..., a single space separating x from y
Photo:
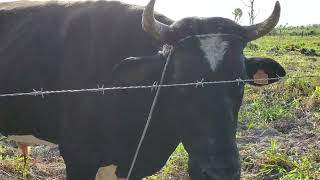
x=212 y=48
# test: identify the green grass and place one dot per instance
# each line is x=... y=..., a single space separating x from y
x=12 y=161
x=281 y=100
x=280 y=164
x=312 y=30
x=176 y=166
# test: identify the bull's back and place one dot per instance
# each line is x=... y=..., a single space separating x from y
x=30 y=48
x=62 y=46
x=49 y=43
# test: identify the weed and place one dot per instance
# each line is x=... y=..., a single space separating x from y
x=176 y=165
x=275 y=162
x=13 y=162
x=276 y=50
x=309 y=52
x=252 y=46
x=299 y=87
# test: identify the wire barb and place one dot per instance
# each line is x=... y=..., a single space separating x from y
x=101 y=88
x=200 y=83
x=239 y=81
x=154 y=86
x=38 y=93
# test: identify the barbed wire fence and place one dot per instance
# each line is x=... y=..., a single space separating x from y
x=102 y=89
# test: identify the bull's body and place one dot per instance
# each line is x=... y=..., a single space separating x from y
x=76 y=46
x=71 y=47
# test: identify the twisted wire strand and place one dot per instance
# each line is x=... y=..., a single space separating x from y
x=155 y=85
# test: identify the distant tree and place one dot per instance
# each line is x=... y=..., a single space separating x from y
x=252 y=14
x=237 y=14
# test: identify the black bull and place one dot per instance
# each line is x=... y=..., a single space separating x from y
x=54 y=46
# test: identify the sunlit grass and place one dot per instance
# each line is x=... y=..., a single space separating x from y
x=277 y=162
x=12 y=161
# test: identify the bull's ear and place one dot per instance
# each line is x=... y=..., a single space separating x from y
x=138 y=70
x=262 y=68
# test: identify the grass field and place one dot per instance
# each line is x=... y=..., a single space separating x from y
x=279 y=126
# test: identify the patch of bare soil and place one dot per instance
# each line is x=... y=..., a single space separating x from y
x=47 y=163
x=293 y=137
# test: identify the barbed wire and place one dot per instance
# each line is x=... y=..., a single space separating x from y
x=154 y=86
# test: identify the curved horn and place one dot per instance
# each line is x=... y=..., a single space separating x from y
x=151 y=25
x=258 y=30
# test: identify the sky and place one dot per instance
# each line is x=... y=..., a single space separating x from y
x=294 y=12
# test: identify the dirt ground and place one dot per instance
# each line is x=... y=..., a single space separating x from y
x=46 y=164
